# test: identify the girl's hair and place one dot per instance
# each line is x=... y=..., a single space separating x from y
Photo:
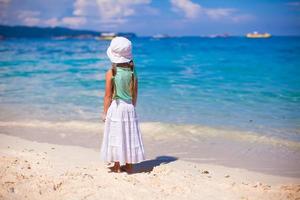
x=132 y=81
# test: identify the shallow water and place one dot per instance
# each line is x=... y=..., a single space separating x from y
x=228 y=83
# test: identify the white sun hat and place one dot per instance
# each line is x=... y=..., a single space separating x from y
x=120 y=50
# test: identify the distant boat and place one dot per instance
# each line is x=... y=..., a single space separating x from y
x=160 y=36
x=106 y=36
x=224 y=35
x=258 y=35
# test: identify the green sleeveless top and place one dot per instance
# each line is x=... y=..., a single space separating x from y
x=121 y=82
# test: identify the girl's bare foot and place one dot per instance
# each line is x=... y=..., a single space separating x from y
x=116 y=168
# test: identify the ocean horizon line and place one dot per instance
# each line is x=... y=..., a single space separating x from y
x=4 y=33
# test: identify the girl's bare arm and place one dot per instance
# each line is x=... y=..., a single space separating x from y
x=134 y=99
x=108 y=92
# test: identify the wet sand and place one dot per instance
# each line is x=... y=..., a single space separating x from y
x=230 y=148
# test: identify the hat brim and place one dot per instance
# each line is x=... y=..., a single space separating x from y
x=116 y=58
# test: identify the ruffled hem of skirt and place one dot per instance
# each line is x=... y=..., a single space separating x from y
x=114 y=154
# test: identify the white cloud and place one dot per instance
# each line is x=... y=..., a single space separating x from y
x=73 y=21
x=107 y=11
x=28 y=13
x=193 y=10
x=33 y=18
x=3 y=9
x=84 y=7
x=5 y=1
x=52 y=22
x=31 y=21
x=104 y=14
x=218 y=13
x=150 y=10
x=29 y=18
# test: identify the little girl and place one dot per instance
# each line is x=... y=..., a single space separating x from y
x=122 y=141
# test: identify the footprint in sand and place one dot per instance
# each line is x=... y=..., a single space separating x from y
x=257 y=184
x=88 y=175
x=12 y=189
x=266 y=187
x=57 y=186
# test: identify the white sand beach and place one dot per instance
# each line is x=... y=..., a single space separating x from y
x=41 y=170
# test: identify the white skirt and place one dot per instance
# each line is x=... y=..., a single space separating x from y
x=122 y=139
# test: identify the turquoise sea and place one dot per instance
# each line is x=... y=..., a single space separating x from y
x=231 y=83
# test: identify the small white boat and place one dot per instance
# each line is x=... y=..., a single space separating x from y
x=106 y=36
x=255 y=34
x=160 y=36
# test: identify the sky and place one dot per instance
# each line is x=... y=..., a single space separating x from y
x=150 y=17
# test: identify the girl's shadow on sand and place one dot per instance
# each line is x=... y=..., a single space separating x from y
x=148 y=165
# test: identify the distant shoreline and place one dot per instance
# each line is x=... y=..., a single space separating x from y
x=60 y=33
x=48 y=32
x=138 y=37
